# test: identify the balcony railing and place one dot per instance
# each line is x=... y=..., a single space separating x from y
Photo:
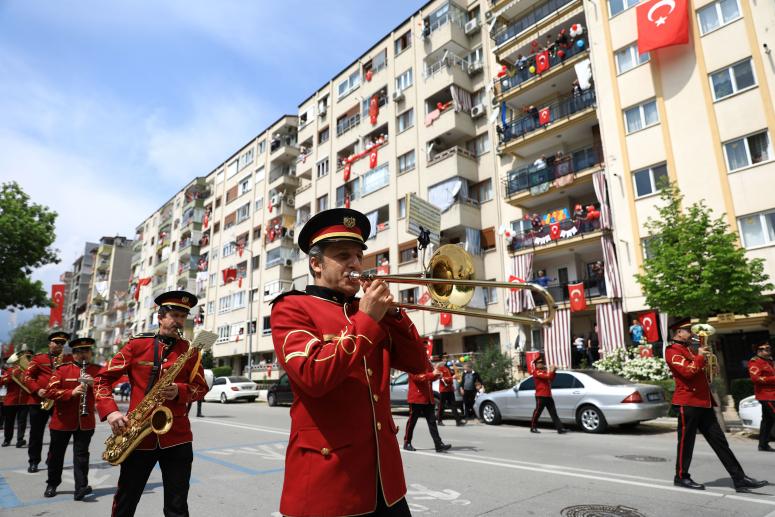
x=559 y=110
x=347 y=124
x=451 y=152
x=531 y=176
x=450 y=61
x=531 y=18
x=593 y=288
x=567 y=228
x=524 y=76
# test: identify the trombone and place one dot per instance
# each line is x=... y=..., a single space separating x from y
x=450 y=281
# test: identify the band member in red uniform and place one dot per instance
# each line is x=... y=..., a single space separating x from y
x=447 y=394
x=73 y=415
x=16 y=403
x=420 y=398
x=694 y=405
x=762 y=373
x=36 y=378
x=343 y=456
x=543 y=381
x=143 y=359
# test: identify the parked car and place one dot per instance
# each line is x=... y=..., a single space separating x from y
x=750 y=411
x=399 y=387
x=590 y=398
x=280 y=392
x=229 y=389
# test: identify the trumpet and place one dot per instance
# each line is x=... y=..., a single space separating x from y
x=703 y=331
x=450 y=282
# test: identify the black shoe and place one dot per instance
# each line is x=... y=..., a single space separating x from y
x=409 y=447
x=562 y=431
x=6 y=443
x=200 y=416
x=534 y=430
x=33 y=468
x=688 y=483
x=766 y=448
x=443 y=447
x=51 y=491
x=21 y=443
x=439 y=423
x=81 y=493
x=744 y=484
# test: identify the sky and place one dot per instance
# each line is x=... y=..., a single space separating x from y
x=107 y=109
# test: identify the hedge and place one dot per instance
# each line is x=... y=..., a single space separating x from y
x=221 y=371
x=741 y=388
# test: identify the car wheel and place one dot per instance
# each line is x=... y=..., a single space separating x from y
x=490 y=413
x=224 y=400
x=271 y=400
x=591 y=420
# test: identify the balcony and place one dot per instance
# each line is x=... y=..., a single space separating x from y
x=343 y=126
x=161 y=266
x=594 y=291
x=450 y=70
x=283 y=178
x=452 y=125
x=284 y=148
x=567 y=232
x=454 y=161
x=567 y=108
x=525 y=22
x=462 y=213
x=445 y=31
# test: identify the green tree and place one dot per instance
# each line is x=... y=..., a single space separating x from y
x=34 y=333
x=495 y=368
x=695 y=267
x=26 y=236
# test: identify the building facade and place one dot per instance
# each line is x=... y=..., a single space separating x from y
x=77 y=290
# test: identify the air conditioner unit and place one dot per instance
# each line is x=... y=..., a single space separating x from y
x=290 y=200
x=288 y=262
x=398 y=96
x=475 y=67
x=471 y=26
x=477 y=111
x=487 y=15
x=322 y=109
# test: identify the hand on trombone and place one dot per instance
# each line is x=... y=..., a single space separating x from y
x=377 y=300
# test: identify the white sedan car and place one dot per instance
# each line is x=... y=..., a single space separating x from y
x=750 y=411
x=229 y=389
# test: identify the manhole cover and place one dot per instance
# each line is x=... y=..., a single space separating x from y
x=600 y=510
x=639 y=457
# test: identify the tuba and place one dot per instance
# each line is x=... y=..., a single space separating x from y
x=47 y=404
x=151 y=415
x=23 y=361
x=703 y=331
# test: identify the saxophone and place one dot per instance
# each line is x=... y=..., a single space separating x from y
x=151 y=415
x=47 y=404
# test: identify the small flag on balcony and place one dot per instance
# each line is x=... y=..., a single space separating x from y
x=373 y=158
x=554 y=231
x=513 y=278
x=206 y=221
x=58 y=297
x=229 y=275
x=544 y=116
x=373 y=109
x=347 y=200
x=542 y=62
x=445 y=319
x=140 y=283
x=577 y=300
x=649 y=323
x=662 y=23
x=347 y=166
x=425 y=298
x=241 y=247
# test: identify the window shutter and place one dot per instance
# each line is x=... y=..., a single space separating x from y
x=231 y=194
x=488 y=238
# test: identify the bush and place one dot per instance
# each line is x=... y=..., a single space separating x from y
x=222 y=371
x=740 y=389
x=495 y=369
x=629 y=364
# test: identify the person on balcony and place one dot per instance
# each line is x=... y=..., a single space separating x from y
x=542 y=280
x=563 y=40
x=598 y=276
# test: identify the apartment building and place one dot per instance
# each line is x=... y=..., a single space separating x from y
x=699 y=114
x=77 y=289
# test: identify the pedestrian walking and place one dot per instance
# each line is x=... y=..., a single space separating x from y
x=593 y=346
x=420 y=398
x=762 y=372
x=543 y=377
x=468 y=389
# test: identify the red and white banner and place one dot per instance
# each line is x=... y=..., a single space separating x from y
x=544 y=116
x=554 y=231
x=445 y=319
x=373 y=158
x=347 y=167
x=610 y=327
x=140 y=283
x=58 y=300
x=373 y=109
x=521 y=299
x=425 y=298
x=662 y=23
x=229 y=275
x=557 y=340
x=542 y=62
x=649 y=323
x=578 y=301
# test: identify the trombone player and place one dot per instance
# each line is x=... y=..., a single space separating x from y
x=17 y=399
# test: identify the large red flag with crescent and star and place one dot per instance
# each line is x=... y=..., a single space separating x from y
x=662 y=23
x=648 y=321
x=577 y=300
x=58 y=301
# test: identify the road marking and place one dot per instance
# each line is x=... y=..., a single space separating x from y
x=8 y=498
x=544 y=470
x=238 y=468
x=248 y=427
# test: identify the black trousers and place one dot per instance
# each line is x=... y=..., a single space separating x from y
x=415 y=412
x=692 y=419
x=56 y=456
x=175 y=463
x=548 y=403
x=448 y=400
x=199 y=408
x=38 y=421
x=15 y=416
x=768 y=419
x=469 y=396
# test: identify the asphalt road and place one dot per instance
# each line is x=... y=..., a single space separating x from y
x=493 y=471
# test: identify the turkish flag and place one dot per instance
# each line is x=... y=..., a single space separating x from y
x=554 y=231
x=577 y=300
x=373 y=110
x=347 y=200
x=662 y=23
x=542 y=62
x=544 y=116
x=206 y=221
x=141 y=282
x=58 y=300
x=445 y=319
x=513 y=278
x=425 y=298
x=347 y=171
x=373 y=158
x=650 y=329
x=229 y=275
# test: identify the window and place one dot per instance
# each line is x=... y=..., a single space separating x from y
x=482 y=191
x=617 y=6
x=238 y=300
x=403 y=42
x=748 y=151
x=216 y=228
x=261 y=147
x=409 y=295
x=405 y=120
x=219 y=177
x=648 y=181
x=232 y=169
x=404 y=80
x=243 y=212
x=224 y=304
x=266 y=326
x=479 y=97
x=324 y=135
x=217 y=203
x=757 y=229
x=646 y=245
x=406 y=162
x=490 y=294
x=487 y=237
x=223 y=335
x=351 y=189
x=563 y=381
x=349 y=84
x=375 y=179
x=260 y=174
x=479 y=145
x=401 y=207
x=322 y=203
x=244 y=186
x=213 y=283
x=246 y=159
x=229 y=249
x=210 y=307
x=640 y=116
x=407 y=252
x=322 y=168
x=717 y=15
x=733 y=79
x=628 y=58
x=259 y=204
x=255 y=262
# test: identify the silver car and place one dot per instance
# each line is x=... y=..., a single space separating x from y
x=590 y=398
x=399 y=389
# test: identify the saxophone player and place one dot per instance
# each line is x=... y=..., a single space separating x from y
x=71 y=389
x=36 y=378
x=143 y=359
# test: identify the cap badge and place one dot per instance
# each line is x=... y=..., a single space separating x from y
x=349 y=222
x=185 y=299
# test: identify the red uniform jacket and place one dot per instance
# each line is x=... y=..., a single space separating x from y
x=338 y=360
x=67 y=408
x=15 y=395
x=447 y=382
x=421 y=387
x=543 y=380
x=762 y=374
x=39 y=372
x=691 y=385
x=136 y=360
